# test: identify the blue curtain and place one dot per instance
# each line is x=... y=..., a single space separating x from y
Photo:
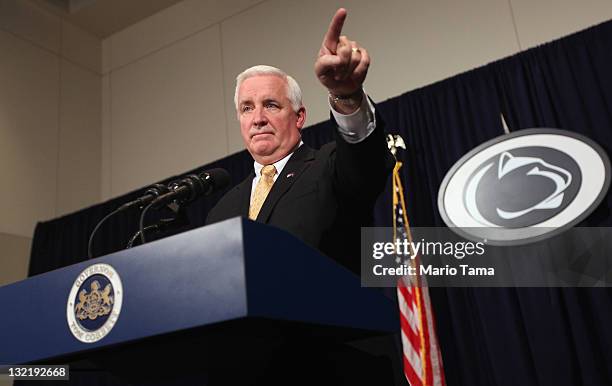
x=488 y=336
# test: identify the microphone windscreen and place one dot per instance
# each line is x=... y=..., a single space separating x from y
x=218 y=177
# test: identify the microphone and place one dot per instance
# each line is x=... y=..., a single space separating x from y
x=183 y=191
x=193 y=186
x=151 y=194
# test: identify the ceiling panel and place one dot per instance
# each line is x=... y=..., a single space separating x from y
x=103 y=18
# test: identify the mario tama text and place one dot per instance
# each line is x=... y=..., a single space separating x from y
x=431 y=270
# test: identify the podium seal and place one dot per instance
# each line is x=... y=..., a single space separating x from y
x=94 y=303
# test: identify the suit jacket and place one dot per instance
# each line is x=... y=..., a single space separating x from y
x=321 y=196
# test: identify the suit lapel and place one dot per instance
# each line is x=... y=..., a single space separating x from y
x=299 y=161
x=244 y=194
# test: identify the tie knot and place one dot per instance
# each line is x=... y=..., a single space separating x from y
x=268 y=171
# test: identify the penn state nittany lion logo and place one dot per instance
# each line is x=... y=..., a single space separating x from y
x=559 y=177
x=94 y=303
x=524 y=186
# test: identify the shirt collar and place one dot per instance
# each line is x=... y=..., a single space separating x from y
x=279 y=165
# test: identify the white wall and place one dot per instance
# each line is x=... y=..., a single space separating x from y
x=163 y=94
x=168 y=80
x=50 y=117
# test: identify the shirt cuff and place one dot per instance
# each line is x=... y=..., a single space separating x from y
x=357 y=126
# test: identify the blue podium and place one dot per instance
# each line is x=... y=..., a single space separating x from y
x=219 y=297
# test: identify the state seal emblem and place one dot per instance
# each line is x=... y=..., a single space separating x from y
x=94 y=303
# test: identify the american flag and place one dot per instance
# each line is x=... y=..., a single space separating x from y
x=421 y=353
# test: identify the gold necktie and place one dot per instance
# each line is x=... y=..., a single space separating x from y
x=261 y=190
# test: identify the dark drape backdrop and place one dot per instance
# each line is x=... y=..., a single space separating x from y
x=488 y=336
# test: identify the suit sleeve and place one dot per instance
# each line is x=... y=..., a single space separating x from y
x=361 y=169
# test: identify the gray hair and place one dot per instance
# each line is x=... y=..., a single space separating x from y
x=294 y=93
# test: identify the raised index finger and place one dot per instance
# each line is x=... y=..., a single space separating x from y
x=330 y=41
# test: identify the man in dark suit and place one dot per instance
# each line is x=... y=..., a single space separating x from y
x=323 y=197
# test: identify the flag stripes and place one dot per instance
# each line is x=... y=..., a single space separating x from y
x=421 y=353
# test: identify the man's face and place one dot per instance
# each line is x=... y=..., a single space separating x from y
x=269 y=126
